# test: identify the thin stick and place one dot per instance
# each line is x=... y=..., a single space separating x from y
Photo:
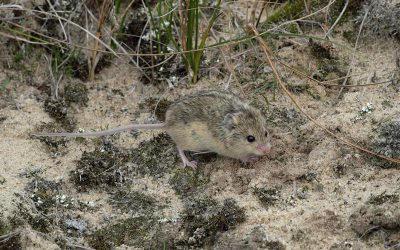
x=337 y=19
x=59 y=20
x=353 y=55
x=268 y=54
x=105 y=9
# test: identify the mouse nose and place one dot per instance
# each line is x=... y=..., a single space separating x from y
x=264 y=148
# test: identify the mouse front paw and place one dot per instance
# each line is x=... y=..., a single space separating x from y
x=249 y=159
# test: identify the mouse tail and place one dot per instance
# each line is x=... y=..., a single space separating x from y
x=105 y=132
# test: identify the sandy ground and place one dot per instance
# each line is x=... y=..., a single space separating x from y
x=322 y=185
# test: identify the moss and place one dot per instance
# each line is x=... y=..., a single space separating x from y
x=4 y=226
x=99 y=168
x=383 y=198
x=186 y=181
x=76 y=93
x=54 y=144
x=352 y=8
x=21 y=55
x=133 y=33
x=43 y=193
x=203 y=218
x=156 y=156
x=131 y=232
x=2 y=180
x=158 y=106
x=267 y=196
x=330 y=67
x=275 y=245
x=37 y=221
x=294 y=9
x=11 y=241
x=309 y=177
x=58 y=109
x=340 y=169
x=321 y=51
x=133 y=202
x=288 y=10
x=77 y=66
x=388 y=140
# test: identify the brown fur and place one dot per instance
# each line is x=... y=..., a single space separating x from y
x=206 y=121
x=216 y=121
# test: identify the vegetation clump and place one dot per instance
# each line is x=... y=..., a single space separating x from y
x=382 y=198
x=10 y=241
x=158 y=106
x=132 y=232
x=204 y=218
x=133 y=201
x=388 y=141
x=54 y=144
x=383 y=18
x=156 y=156
x=58 y=109
x=43 y=193
x=99 y=168
x=186 y=181
x=267 y=196
x=76 y=93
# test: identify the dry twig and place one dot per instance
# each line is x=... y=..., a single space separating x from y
x=269 y=55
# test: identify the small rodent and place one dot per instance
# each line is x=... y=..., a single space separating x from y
x=211 y=121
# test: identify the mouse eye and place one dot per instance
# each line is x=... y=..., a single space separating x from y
x=251 y=138
x=266 y=134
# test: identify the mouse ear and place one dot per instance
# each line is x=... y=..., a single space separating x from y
x=230 y=120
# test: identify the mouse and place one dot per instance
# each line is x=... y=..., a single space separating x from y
x=207 y=121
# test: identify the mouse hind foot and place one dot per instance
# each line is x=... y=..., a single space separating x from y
x=185 y=160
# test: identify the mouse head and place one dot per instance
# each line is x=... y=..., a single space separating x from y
x=247 y=131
